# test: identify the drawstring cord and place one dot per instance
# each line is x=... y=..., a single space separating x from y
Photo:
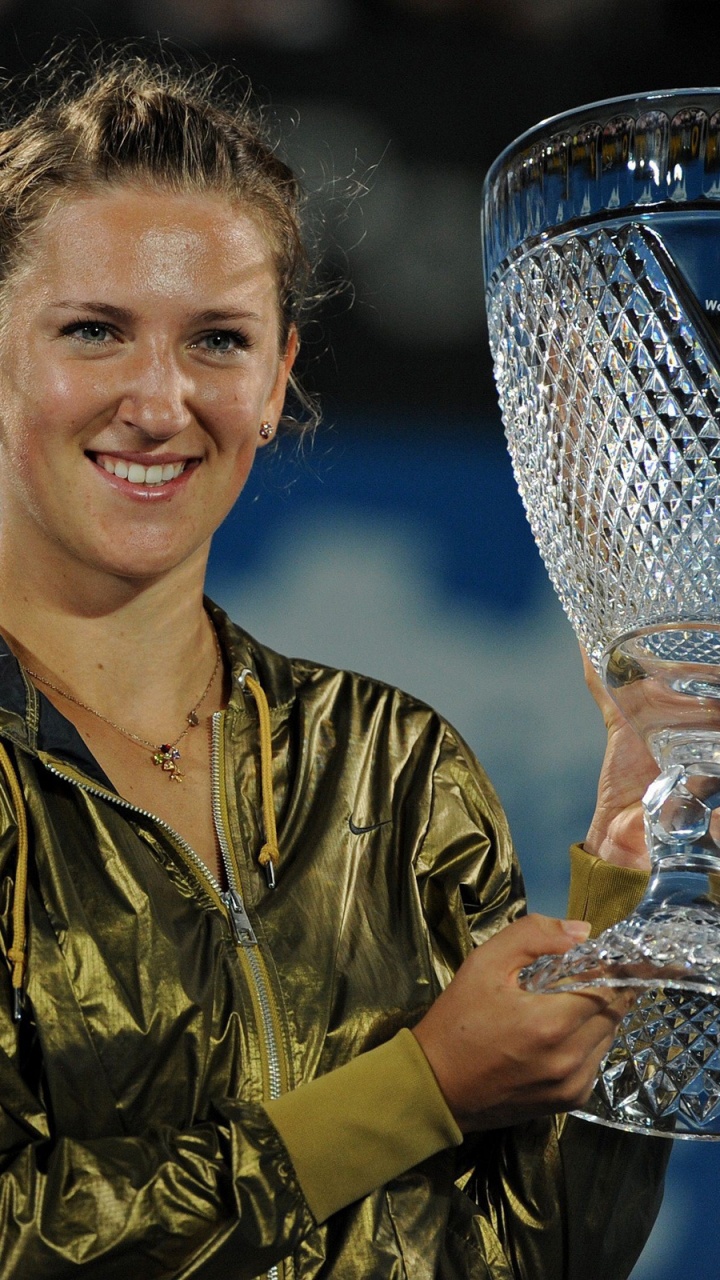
x=17 y=955
x=269 y=855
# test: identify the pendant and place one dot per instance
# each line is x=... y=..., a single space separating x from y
x=167 y=756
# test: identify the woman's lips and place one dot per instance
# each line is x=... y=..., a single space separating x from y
x=155 y=476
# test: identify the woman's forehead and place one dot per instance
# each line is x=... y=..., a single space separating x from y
x=152 y=240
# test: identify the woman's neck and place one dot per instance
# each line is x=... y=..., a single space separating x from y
x=139 y=654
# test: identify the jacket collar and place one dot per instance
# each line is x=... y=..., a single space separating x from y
x=274 y=671
x=31 y=720
x=34 y=723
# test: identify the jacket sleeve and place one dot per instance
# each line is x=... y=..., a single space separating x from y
x=558 y=1197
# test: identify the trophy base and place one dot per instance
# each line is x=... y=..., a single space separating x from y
x=662 y=1073
x=671 y=940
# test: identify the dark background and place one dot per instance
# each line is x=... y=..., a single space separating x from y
x=393 y=110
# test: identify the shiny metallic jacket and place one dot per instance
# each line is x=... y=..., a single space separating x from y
x=156 y=1119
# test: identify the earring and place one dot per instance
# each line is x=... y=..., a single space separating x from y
x=266 y=430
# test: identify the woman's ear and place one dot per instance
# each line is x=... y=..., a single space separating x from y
x=276 y=400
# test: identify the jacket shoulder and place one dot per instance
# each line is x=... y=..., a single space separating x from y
x=371 y=716
x=372 y=710
x=286 y=680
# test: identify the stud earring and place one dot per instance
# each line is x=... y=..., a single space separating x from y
x=266 y=430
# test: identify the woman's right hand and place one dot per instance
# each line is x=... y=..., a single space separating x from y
x=502 y=1055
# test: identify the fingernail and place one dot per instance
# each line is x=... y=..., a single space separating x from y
x=578 y=929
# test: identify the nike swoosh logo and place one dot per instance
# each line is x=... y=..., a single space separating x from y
x=361 y=831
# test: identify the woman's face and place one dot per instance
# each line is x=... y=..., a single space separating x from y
x=138 y=359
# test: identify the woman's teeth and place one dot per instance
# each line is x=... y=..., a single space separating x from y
x=137 y=474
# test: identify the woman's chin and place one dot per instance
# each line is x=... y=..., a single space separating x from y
x=143 y=565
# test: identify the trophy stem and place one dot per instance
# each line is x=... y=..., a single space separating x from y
x=662 y=1073
x=672 y=938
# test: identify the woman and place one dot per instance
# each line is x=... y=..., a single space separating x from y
x=224 y=1052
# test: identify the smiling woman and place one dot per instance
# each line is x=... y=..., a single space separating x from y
x=245 y=1021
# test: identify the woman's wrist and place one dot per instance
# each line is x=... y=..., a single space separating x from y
x=619 y=839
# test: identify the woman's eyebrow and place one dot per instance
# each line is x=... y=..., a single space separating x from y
x=99 y=308
x=223 y=316
x=213 y=315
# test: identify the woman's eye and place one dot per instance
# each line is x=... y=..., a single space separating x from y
x=90 y=331
x=221 y=341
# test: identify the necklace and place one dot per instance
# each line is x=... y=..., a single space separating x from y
x=166 y=755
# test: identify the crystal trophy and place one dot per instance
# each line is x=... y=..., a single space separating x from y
x=602 y=262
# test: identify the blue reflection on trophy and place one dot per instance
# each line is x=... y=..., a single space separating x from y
x=602 y=260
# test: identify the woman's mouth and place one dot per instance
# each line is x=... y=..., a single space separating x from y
x=155 y=473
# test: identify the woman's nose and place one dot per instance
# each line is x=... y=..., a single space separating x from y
x=155 y=395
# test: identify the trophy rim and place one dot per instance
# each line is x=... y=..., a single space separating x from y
x=603 y=105
x=501 y=234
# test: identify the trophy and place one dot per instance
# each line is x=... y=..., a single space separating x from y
x=602 y=264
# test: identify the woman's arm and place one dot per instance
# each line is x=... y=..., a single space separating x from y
x=500 y=1054
x=558 y=1196
x=245 y=1187
x=150 y=1206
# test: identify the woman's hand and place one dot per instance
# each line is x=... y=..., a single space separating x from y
x=616 y=833
x=502 y=1055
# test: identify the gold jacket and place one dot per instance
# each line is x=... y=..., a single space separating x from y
x=223 y=1085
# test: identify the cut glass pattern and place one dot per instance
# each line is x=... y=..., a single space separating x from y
x=662 y=1074
x=682 y=644
x=680 y=944
x=611 y=402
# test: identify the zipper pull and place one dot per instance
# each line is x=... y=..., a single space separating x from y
x=239 y=920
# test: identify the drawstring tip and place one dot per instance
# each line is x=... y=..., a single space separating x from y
x=267 y=858
x=18 y=1004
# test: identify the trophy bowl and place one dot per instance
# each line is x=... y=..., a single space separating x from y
x=601 y=235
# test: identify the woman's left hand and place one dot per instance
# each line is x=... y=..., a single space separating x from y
x=616 y=832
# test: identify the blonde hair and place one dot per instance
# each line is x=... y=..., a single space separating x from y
x=130 y=119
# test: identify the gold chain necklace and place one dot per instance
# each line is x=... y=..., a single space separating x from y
x=166 y=755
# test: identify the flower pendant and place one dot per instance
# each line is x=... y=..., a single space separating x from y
x=167 y=756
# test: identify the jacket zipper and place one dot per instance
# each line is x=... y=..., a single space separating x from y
x=240 y=923
x=242 y=930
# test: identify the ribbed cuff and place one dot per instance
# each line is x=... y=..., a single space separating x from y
x=357 y=1127
x=600 y=891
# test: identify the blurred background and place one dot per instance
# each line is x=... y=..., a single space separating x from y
x=396 y=544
